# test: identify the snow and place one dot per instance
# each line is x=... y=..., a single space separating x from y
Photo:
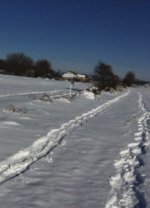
x=83 y=151
x=128 y=192
x=20 y=161
x=88 y=95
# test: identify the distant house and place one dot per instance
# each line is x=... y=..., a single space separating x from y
x=73 y=75
x=81 y=76
x=69 y=75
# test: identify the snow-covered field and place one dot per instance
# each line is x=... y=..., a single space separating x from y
x=57 y=152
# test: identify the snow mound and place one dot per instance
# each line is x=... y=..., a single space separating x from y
x=43 y=98
x=11 y=123
x=88 y=95
x=63 y=100
x=14 y=109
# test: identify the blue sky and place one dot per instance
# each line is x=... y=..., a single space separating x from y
x=76 y=34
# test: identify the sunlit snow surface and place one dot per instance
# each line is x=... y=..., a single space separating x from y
x=78 y=153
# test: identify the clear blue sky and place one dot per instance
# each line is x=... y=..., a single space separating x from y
x=76 y=34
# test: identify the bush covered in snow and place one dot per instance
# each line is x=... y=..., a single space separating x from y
x=44 y=97
x=89 y=95
x=94 y=90
x=14 y=109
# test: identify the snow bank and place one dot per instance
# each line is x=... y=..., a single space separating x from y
x=89 y=95
x=31 y=93
x=14 y=109
x=10 y=123
x=63 y=100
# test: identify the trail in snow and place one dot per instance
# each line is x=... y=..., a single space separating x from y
x=126 y=191
x=19 y=162
x=53 y=93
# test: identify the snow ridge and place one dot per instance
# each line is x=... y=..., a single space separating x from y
x=54 y=93
x=20 y=162
x=126 y=191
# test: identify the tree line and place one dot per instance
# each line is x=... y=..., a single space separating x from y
x=103 y=76
x=106 y=79
x=23 y=65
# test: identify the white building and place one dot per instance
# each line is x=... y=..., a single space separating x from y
x=69 y=75
x=81 y=76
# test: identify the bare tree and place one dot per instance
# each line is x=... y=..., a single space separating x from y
x=129 y=78
x=43 y=69
x=2 y=65
x=104 y=77
x=18 y=63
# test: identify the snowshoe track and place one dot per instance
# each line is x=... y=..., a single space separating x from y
x=51 y=94
x=21 y=161
x=126 y=191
